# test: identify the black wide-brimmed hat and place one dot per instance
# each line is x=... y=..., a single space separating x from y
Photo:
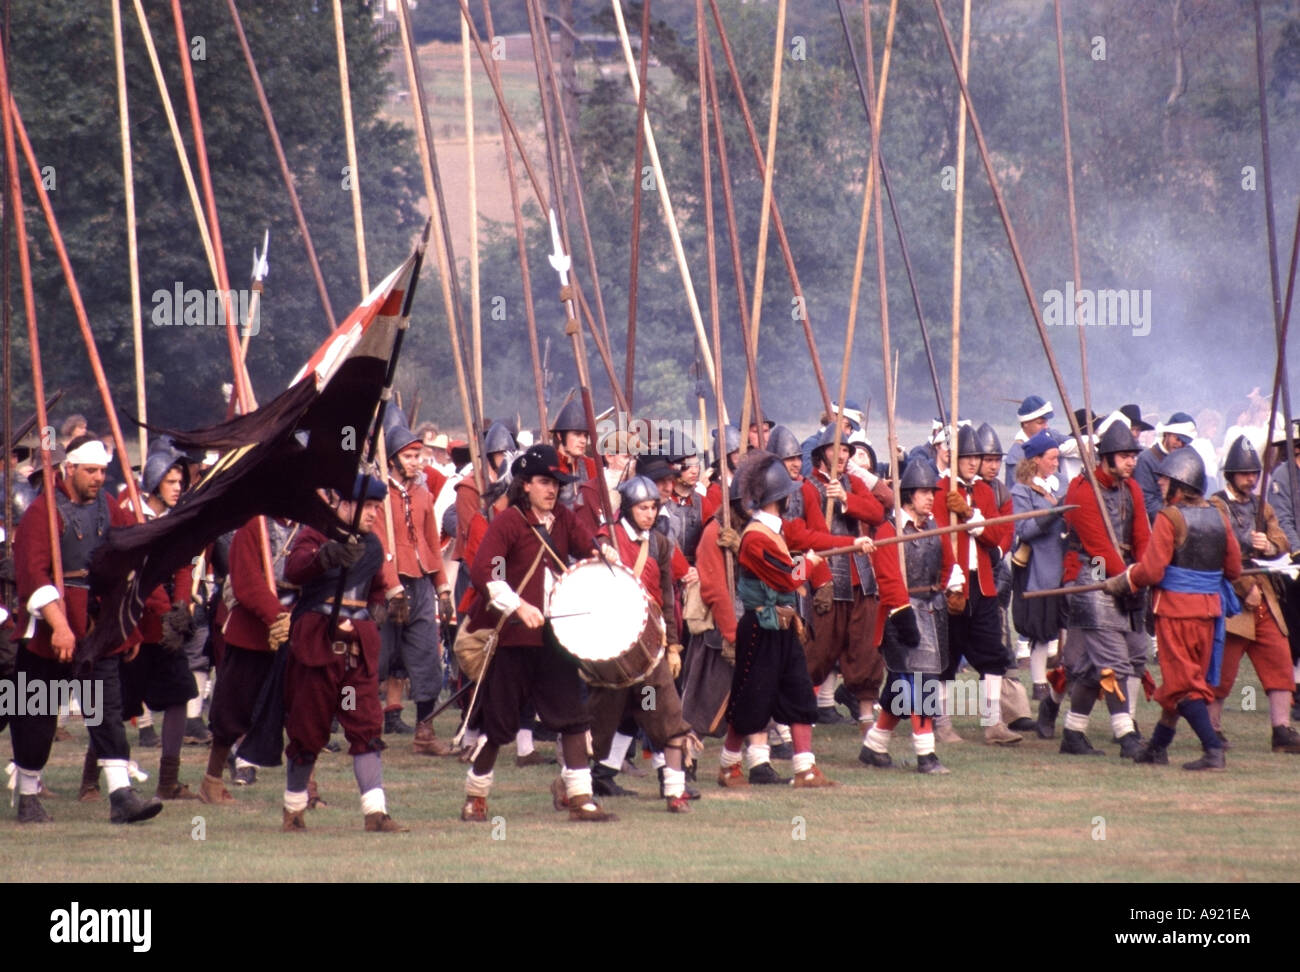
x=540 y=460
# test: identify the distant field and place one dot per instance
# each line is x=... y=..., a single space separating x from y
x=1026 y=814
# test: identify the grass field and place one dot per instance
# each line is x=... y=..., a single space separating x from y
x=1026 y=814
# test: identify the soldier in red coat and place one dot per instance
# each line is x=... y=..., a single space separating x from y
x=333 y=670
x=1191 y=561
x=974 y=624
x=50 y=622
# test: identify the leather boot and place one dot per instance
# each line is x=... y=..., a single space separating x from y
x=583 y=807
x=127 y=806
x=30 y=810
x=89 y=792
x=1285 y=740
x=382 y=823
x=169 y=785
x=426 y=743
x=944 y=732
x=292 y=822
x=393 y=724
x=604 y=782
x=1076 y=744
x=1048 y=710
x=1212 y=759
x=211 y=790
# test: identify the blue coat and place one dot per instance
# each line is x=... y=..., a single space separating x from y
x=1045 y=536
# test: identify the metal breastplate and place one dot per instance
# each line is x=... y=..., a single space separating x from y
x=1207 y=539
x=794 y=505
x=839 y=564
x=318 y=593
x=924 y=562
x=685 y=525
x=1118 y=503
x=1241 y=516
x=84 y=525
x=1000 y=492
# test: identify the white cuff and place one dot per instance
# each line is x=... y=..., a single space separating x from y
x=976 y=516
x=957 y=579
x=40 y=598
x=502 y=597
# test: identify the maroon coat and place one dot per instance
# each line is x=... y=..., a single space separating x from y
x=512 y=544
x=309 y=637
x=256 y=608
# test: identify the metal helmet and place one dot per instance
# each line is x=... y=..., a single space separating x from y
x=763 y=479
x=1117 y=438
x=397 y=436
x=782 y=443
x=968 y=442
x=498 y=439
x=919 y=474
x=987 y=439
x=732 y=440
x=572 y=418
x=1242 y=457
x=1185 y=467
x=826 y=439
x=636 y=490
x=157 y=465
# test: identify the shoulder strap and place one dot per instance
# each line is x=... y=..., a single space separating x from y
x=1175 y=517
x=532 y=569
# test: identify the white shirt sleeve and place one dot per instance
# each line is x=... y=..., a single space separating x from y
x=502 y=597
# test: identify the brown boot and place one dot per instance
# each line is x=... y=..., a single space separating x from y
x=426 y=743
x=169 y=785
x=382 y=823
x=732 y=776
x=89 y=792
x=1000 y=735
x=293 y=822
x=211 y=790
x=474 y=810
x=314 y=799
x=582 y=806
x=558 y=798
x=812 y=778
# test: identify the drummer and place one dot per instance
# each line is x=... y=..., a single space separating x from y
x=653 y=703
x=532 y=538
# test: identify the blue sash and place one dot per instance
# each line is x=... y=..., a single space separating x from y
x=1187 y=581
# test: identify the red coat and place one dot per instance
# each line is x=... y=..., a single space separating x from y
x=34 y=569
x=255 y=606
x=764 y=556
x=981 y=497
x=712 y=500
x=711 y=566
x=1088 y=523
x=890 y=579
x=309 y=637
x=415 y=533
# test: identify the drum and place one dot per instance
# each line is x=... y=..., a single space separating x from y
x=603 y=617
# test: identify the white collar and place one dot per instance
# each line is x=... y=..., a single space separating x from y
x=633 y=534
x=769 y=520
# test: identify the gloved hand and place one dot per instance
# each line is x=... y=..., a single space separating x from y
x=399 y=609
x=824 y=598
x=957 y=505
x=729 y=539
x=177 y=628
x=903 y=624
x=278 y=632
x=675 y=660
x=446 y=610
x=728 y=651
x=957 y=579
x=336 y=554
x=1118 y=585
x=975 y=517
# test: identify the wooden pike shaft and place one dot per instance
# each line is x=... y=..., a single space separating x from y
x=79 y=308
x=702 y=42
x=955 y=528
x=1086 y=588
x=475 y=311
x=285 y=173
x=733 y=237
x=539 y=381
x=629 y=368
x=1086 y=443
x=133 y=258
x=349 y=135
x=1021 y=269
x=778 y=224
x=14 y=194
x=859 y=258
x=670 y=220
x=765 y=212
x=959 y=208
x=424 y=142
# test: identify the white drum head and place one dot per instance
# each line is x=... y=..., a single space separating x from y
x=597 y=612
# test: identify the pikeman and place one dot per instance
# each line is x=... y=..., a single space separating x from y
x=50 y=625
x=496 y=444
x=1191 y=561
x=533 y=537
x=159 y=676
x=770 y=680
x=685 y=504
x=912 y=624
x=731 y=445
x=256 y=625
x=974 y=625
x=1106 y=640
x=334 y=674
x=1287 y=505
x=845 y=604
x=1260 y=630
x=571 y=435
x=409 y=634
x=649 y=556
x=1171 y=436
